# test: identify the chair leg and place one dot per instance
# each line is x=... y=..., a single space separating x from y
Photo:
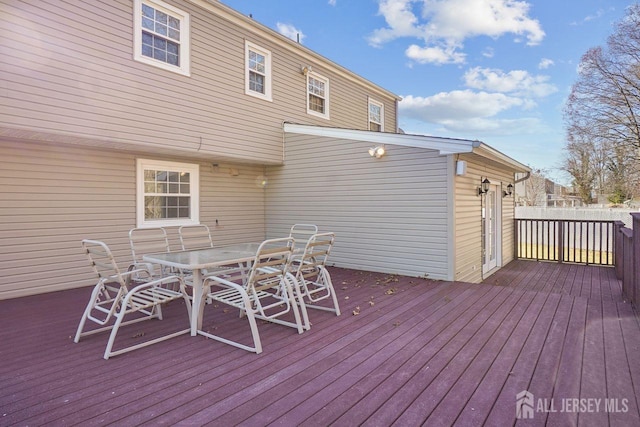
x=254 y=332
x=291 y=293
x=299 y=300
x=114 y=331
x=327 y=279
x=87 y=312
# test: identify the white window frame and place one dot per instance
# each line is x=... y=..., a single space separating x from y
x=248 y=47
x=325 y=80
x=194 y=187
x=378 y=104
x=184 y=52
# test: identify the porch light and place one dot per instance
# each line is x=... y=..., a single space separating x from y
x=509 y=191
x=484 y=187
x=377 y=152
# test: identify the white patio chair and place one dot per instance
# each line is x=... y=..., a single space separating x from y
x=195 y=237
x=302 y=233
x=149 y=241
x=112 y=299
x=312 y=275
x=268 y=294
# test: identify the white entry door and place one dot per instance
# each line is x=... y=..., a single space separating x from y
x=491 y=229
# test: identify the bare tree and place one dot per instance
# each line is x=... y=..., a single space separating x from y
x=602 y=114
x=535 y=189
x=579 y=164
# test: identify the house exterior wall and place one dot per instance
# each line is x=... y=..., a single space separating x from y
x=468 y=216
x=68 y=75
x=76 y=110
x=389 y=214
x=53 y=197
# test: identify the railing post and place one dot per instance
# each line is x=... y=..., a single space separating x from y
x=636 y=262
x=516 y=239
x=617 y=247
x=560 y=241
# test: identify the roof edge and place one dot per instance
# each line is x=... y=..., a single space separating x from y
x=250 y=24
x=489 y=152
x=443 y=145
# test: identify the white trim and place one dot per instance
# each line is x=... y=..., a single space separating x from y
x=377 y=104
x=326 y=97
x=192 y=168
x=184 y=55
x=451 y=219
x=248 y=46
x=443 y=145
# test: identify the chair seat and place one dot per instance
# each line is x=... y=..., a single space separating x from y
x=147 y=298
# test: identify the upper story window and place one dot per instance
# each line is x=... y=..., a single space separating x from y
x=161 y=35
x=167 y=193
x=317 y=95
x=257 y=71
x=376 y=116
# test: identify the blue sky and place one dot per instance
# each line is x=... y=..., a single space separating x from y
x=494 y=70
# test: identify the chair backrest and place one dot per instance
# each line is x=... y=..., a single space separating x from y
x=315 y=254
x=102 y=261
x=195 y=237
x=271 y=262
x=302 y=233
x=147 y=241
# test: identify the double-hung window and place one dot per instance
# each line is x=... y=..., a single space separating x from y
x=167 y=193
x=161 y=35
x=257 y=71
x=376 y=116
x=317 y=95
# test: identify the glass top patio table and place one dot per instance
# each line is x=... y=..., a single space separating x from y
x=199 y=259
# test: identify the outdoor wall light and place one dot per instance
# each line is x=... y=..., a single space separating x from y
x=509 y=191
x=484 y=187
x=377 y=152
x=305 y=69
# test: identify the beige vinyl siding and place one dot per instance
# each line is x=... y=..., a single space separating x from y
x=389 y=214
x=68 y=69
x=468 y=216
x=53 y=197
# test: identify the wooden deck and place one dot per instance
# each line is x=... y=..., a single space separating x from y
x=404 y=352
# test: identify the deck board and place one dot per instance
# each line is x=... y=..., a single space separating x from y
x=406 y=351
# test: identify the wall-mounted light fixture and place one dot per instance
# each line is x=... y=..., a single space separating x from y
x=305 y=69
x=484 y=187
x=509 y=191
x=377 y=152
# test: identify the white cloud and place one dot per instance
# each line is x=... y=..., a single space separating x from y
x=448 y=107
x=516 y=82
x=488 y=52
x=434 y=55
x=443 y=25
x=545 y=63
x=290 y=31
x=332 y=2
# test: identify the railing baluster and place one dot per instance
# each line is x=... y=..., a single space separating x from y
x=579 y=241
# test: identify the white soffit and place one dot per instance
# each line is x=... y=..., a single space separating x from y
x=443 y=145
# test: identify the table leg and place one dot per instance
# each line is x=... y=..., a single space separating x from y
x=198 y=307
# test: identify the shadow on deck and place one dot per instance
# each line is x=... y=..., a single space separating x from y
x=405 y=351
